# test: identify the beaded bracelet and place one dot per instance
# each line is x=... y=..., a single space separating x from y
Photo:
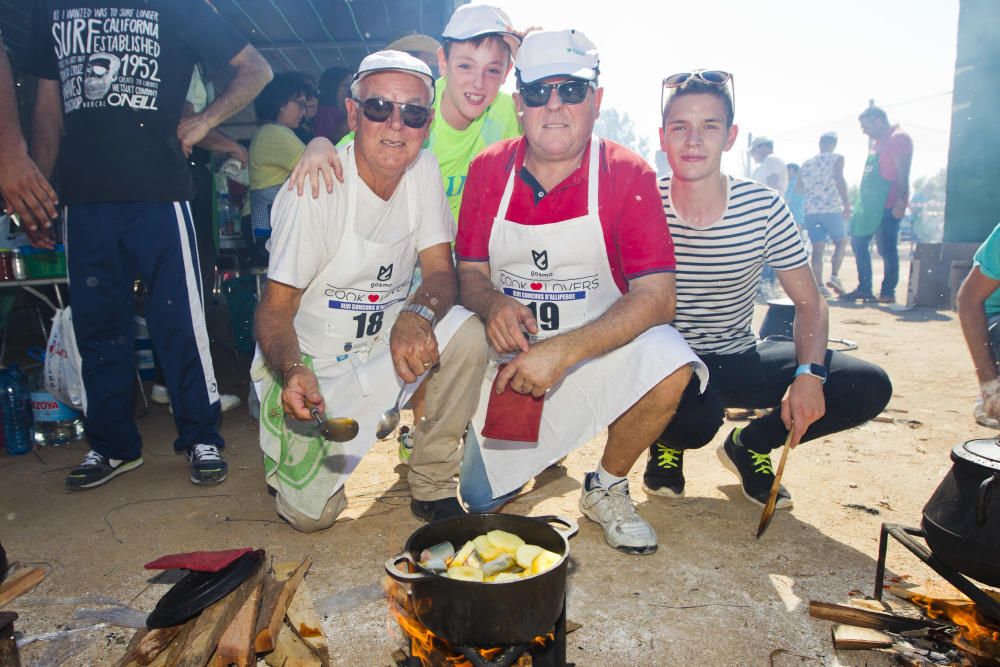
x=288 y=368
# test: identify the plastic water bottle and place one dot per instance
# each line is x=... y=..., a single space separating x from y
x=15 y=403
x=253 y=402
x=55 y=422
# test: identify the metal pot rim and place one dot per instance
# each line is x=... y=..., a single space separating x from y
x=422 y=574
x=963 y=454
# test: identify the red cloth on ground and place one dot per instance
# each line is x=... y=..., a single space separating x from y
x=199 y=561
x=513 y=416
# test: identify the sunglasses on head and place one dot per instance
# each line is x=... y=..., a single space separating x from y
x=573 y=91
x=379 y=110
x=712 y=77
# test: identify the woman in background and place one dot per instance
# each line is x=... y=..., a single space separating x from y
x=274 y=150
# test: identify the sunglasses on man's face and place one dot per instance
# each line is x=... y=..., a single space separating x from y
x=379 y=110
x=573 y=91
x=712 y=77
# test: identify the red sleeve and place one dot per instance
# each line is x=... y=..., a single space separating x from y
x=484 y=186
x=900 y=144
x=642 y=237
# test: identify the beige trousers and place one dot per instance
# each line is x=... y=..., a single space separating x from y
x=452 y=397
x=304 y=524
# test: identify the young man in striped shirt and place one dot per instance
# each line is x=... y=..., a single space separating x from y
x=725 y=231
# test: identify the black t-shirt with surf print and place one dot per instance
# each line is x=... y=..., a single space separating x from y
x=124 y=67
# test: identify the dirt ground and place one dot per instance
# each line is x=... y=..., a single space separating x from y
x=711 y=595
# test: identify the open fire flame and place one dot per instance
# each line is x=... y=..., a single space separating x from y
x=975 y=633
x=424 y=644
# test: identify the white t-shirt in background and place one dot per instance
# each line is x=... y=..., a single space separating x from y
x=306 y=232
x=772 y=166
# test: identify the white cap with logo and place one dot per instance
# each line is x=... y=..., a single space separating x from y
x=548 y=53
x=470 y=21
x=393 y=61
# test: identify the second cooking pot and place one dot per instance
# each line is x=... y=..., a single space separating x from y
x=961 y=521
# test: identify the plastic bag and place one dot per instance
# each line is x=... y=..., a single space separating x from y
x=62 y=372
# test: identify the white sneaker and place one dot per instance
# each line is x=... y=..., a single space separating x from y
x=837 y=286
x=623 y=528
x=227 y=402
x=159 y=395
x=983 y=419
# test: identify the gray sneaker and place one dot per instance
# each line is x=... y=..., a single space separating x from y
x=207 y=464
x=96 y=469
x=613 y=508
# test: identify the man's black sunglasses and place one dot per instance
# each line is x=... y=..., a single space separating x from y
x=379 y=110
x=573 y=91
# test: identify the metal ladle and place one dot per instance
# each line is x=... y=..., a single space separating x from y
x=336 y=429
x=389 y=420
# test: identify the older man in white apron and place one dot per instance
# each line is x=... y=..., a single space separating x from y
x=565 y=255
x=336 y=328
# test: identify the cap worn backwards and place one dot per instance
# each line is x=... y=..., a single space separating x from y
x=471 y=21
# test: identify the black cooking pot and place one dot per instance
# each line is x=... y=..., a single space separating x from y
x=470 y=613
x=962 y=519
x=779 y=319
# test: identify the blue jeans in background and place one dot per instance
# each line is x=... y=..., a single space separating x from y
x=887 y=242
x=474 y=486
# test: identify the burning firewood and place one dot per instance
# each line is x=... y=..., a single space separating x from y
x=848 y=637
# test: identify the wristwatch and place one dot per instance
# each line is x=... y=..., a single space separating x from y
x=422 y=311
x=815 y=370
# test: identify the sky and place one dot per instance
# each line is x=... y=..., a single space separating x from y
x=801 y=67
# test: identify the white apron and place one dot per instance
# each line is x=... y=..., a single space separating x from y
x=562 y=273
x=348 y=312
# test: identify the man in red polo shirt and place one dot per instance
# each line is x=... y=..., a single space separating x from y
x=565 y=254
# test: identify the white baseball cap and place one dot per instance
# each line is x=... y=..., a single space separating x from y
x=548 y=53
x=828 y=136
x=393 y=61
x=471 y=21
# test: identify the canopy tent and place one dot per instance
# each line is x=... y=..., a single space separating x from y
x=303 y=35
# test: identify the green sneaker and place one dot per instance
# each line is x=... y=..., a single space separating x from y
x=755 y=472
x=405 y=445
x=664 y=474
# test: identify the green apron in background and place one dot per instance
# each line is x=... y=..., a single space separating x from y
x=872 y=195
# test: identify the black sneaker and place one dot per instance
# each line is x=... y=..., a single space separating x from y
x=435 y=510
x=207 y=464
x=755 y=472
x=96 y=469
x=664 y=471
x=858 y=295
